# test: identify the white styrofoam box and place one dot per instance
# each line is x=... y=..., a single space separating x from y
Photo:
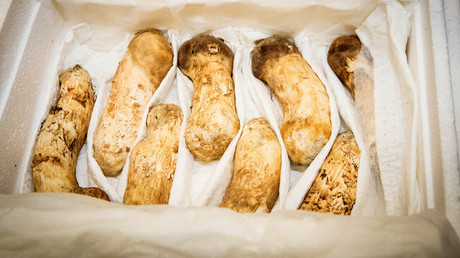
x=33 y=31
x=30 y=40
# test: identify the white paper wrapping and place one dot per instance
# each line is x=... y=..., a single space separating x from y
x=396 y=111
x=67 y=225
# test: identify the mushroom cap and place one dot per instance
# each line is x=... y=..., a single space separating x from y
x=161 y=115
x=201 y=50
x=270 y=48
x=151 y=51
x=341 y=56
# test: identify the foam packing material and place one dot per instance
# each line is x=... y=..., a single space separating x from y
x=96 y=34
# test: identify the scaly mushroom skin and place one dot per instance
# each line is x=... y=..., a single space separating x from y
x=138 y=76
x=256 y=177
x=306 y=126
x=213 y=121
x=62 y=136
x=334 y=189
x=152 y=162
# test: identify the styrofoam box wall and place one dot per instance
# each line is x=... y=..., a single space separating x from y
x=32 y=36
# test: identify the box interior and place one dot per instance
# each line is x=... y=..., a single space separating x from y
x=34 y=32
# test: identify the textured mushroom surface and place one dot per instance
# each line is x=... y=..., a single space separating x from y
x=213 y=121
x=138 y=76
x=306 y=126
x=62 y=136
x=152 y=162
x=334 y=189
x=256 y=177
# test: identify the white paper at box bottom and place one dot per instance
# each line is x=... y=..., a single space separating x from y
x=58 y=225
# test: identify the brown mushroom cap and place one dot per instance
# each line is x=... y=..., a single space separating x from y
x=342 y=52
x=160 y=116
x=270 y=48
x=204 y=49
x=151 y=42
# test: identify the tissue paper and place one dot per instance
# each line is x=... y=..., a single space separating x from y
x=84 y=226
